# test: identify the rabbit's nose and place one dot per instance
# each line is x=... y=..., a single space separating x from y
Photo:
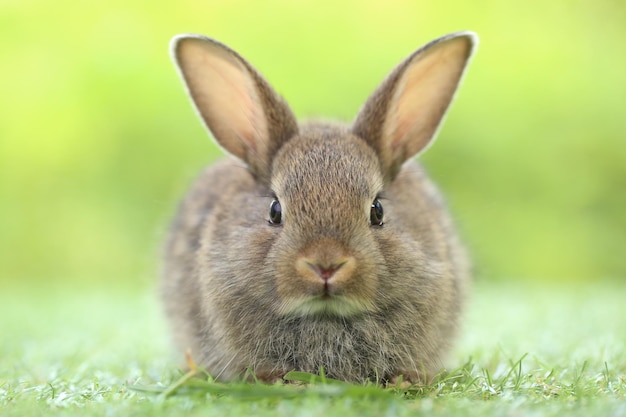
x=325 y=272
x=325 y=263
x=335 y=272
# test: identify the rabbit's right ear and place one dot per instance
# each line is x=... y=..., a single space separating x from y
x=244 y=114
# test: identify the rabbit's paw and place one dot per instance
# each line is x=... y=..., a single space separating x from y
x=405 y=380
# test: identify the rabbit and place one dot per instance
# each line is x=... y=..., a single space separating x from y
x=316 y=246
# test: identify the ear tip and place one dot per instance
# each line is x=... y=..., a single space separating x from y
x=190 y=43
x=470 y=36
x=466 y=40
x=176 y=43
x=183 y=38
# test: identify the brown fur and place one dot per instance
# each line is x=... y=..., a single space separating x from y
x=245 y=294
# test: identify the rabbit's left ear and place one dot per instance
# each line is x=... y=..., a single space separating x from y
x=402 y=116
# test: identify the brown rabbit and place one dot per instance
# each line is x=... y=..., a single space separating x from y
x=318 y=245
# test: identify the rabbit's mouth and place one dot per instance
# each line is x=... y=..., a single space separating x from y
x=328 y=281
x=325 y=304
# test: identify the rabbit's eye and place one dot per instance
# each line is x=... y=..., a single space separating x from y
x=376 y=213
x=275 y=212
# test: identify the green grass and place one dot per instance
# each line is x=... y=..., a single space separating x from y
x=535 y=350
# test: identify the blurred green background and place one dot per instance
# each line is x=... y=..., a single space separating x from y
x=98 y=141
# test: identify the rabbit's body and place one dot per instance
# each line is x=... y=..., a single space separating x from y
x=325 y=282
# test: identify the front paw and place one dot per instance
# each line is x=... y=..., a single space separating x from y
x=405 y=380
x=267 y=376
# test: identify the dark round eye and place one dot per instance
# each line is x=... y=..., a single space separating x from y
x=376 y=213
x=275 y=212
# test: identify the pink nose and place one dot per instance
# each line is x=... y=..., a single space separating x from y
x=325 y=273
